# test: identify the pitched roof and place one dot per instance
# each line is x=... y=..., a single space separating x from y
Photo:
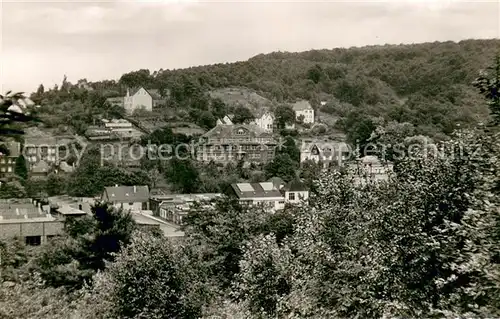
x=224 y=121
x=154 y=93
x=263 y=111
x=302 y=105
x=250 y=130
x=40 y=167
x=256 y=190
x=65 y=167
x=133 y=91
x=295 y=186
x=127 y=194
x=277 y=182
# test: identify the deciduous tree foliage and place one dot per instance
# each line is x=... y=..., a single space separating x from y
x=90 y=241
x=20 y=168
x=421 y=245
x=147 y=280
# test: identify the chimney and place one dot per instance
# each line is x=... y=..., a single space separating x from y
x=135 y=189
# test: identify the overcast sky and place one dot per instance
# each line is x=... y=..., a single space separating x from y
x=42 y=41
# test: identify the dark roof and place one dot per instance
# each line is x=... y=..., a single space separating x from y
x=295 y=186
x=302 y=105
x=252 y=190
x=133 y=91
x=126 y=194
x=40 y=167
x=12 y=210
x=278 y=182
x=260 y=112
x=154 y=93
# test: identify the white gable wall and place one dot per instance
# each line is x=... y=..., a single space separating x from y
x=265 y=122
x=308 y=115
x=141 y=99
x=296 y=197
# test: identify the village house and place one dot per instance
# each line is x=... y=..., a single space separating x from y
x=28 y=219
x=304 y=110
x=327 y=152
x=224 y=121
x=141 y=98
x=265 y=194
x=136 y=99
x=133 y=198
x=232 y=143
x=295 y=192
x=174 y=207
x=8 y=161
x=271 y=195
x=371 y=169
x=51 y=150
x=265 y=120
x=65 y=207
x=113 y=130
x=40 y=169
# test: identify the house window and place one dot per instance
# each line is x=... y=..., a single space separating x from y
x=3 y=169
x=291 y=196
x=2 y=161
x=131 y=204
x=9 y=169
x=33 y=240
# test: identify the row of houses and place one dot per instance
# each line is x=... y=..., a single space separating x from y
x=38 y=221
x=113 y=130
x=266 y=119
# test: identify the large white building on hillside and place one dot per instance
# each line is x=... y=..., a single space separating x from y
x=304 y=109
x=265 y=121
x=137 y=99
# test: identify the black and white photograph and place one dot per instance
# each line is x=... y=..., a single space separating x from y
x=181 y=159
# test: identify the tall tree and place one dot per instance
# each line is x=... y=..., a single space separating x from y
x=14 y=109
x=284 y=115
x=488 y=84
x=183 y=175
x=242 y=115
x=90 y=242
x=21 y=168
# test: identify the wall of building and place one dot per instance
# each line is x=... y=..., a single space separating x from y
x=308 y=115
x=135 y=206
x=142 y=99
x=265 y=122
x=35 y=228
x=297 y=196
x=275 y=203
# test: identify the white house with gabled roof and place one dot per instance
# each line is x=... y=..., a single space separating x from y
x=136 y=99
x=265 y=121
x=304 y=108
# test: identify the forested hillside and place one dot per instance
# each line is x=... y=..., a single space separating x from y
x=428 y=85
